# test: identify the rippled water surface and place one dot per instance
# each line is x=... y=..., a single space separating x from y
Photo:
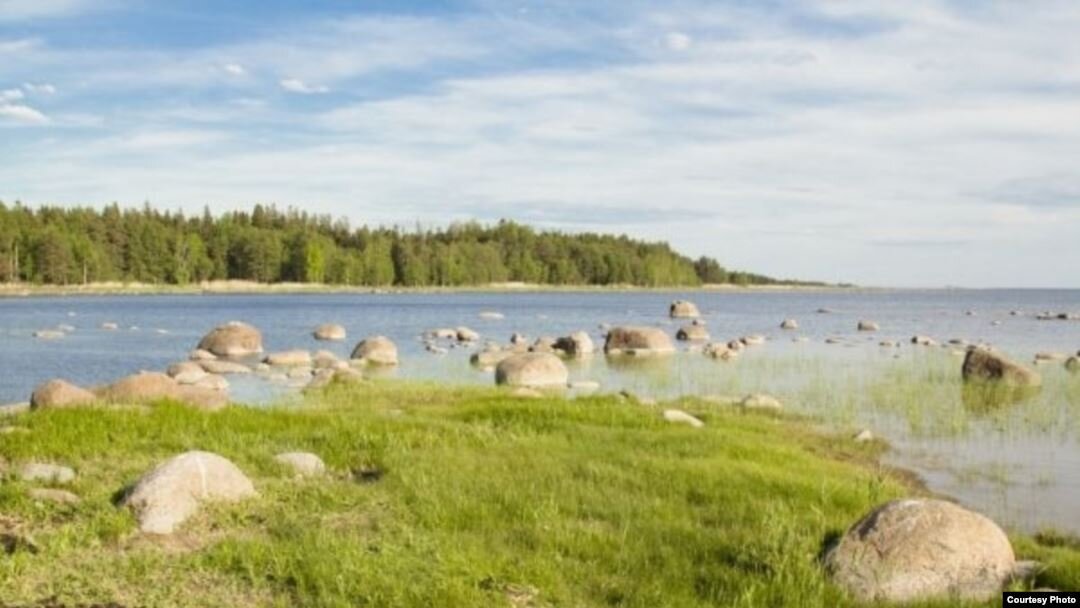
x=1018 y=461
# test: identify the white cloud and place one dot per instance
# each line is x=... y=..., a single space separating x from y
x=10 y=95
x=20 y=10
x=18 y=45
x=678 y=41
x=235 y=69
x=43 y=88
x=295 y=85
x=22 y=114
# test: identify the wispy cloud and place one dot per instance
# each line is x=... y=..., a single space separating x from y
x=21 y=114
x=234 y=69
x=21 y=10
x=42 y=88
x=295 y=85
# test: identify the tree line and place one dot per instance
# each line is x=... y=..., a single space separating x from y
x=66 y=246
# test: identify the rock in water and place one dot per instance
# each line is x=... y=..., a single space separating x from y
x=1073 y=364
x=719 y=350
x=692 y=333
x=576 y=344
x=377 y=350
x=983 y=364
x=868 y=326
x=233 y=339
x=682 y=309
x=329 y=331
x=171 y=493
x=532 y=370
x=923 y=341
x=637 y=340
x=914 y=550
x=60 y=393
x=289 y=358
x=789 y=324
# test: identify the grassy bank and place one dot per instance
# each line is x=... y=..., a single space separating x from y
x=454 y=497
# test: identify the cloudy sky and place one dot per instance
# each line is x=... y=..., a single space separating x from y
x=906 y=142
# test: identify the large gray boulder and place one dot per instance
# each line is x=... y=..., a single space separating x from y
x=171 y=493
x=58 y=394
x=682 y=309
x=914 y=550
x=637 y=340
x=233 y=339
x=981 y=364
x=577 y=344
x=533 y=370
x=152 y=386
x=376 y=350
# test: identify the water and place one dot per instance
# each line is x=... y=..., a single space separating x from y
x=1018 y=462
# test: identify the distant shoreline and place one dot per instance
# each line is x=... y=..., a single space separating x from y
x=23 y=290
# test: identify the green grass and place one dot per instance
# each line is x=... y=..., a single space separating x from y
x=483 y=500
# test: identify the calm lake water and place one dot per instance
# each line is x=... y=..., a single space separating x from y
x=1018 y=462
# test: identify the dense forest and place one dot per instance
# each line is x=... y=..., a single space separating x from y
x=64 y=246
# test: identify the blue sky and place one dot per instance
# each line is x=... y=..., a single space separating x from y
x=916 y=142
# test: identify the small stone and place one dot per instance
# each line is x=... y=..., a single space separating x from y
x=682 y=417
x=60 y=497
x=46 y=473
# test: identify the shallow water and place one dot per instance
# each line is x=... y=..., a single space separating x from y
x=1019 y=462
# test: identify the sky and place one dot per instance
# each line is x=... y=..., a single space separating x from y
x=892 y=143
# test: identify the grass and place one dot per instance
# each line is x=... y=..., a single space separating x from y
x=453 y=496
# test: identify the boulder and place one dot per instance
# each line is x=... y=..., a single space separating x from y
x=681 y=417
x=986 y=365
x=202 y=355
x=692 y=333
x=211 y=382
x=923 y=341
x=464 y=334
x=761 y=401
x=637 y=340
x=1047 y=356
x=325 y=359
x=682 y=309
x=186 y=372
x=152 y=386
x=376 y=350
x=233 y=339
x=576 y=344
x=171 y=493
x=868 y=326
x=518 y=339
x=789 y=324
x=303 y=464
x=443 y=334
x=110 y=326
x=918 y=550
x=719 y=350
x=224 y=367
x=289 y=358
x=753 y=340
x=329 y=332
x=1073 y=364
x=490 y=357
x=864 y=436
x=60 y=393
x=45 y=472
x=543 y=344
x=736 y=345
x=533 y=370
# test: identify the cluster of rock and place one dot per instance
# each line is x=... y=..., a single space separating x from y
x=1058 y=316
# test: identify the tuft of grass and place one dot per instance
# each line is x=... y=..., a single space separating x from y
x=455 y=496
